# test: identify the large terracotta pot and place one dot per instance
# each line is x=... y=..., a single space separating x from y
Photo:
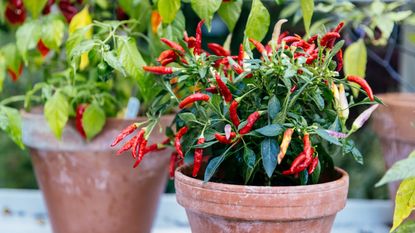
x=87 y=188
x=394 y=124
x=223 y=208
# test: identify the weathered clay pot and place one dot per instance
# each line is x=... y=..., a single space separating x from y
x=222 y=208
x=86 y=187
x=394 y=125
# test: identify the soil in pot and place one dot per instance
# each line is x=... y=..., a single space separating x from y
x=86 y=187
x=221 y=208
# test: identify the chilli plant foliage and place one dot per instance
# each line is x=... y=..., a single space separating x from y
x=405 y=197
x=264 y=120
x=83 y=50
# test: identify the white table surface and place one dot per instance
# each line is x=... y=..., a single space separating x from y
x=23 y=211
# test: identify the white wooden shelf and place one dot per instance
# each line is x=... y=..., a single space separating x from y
x=23 y=211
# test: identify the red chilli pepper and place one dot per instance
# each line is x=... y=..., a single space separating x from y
x=172 y=165
x=15 y=76
x=198 y=44
x=312 y=39
x=137 y=143
x=363 y=84
x=251 y=121
x=222 y=138
x=286 y=139
x=339 y=56
x=173 y=45
x=212 y=90
x=177 y=138
x=233 y=113
x=308 y=150
x=259 y=46
x=68 y=9
x=291 y=39
x=128 y=145
x=48 y=6
x=198 y=156
x=141 y=153
x=311 y=59
x=224 y=90
x=127 y=131
x=313 y=165
x=193 y=98
x=78 y=119
x=217 y=49
x=329 y=37
x=160 y=70
x=42 y=48
x=15 y=12
x=339 y=27
x=167 y=54
x=241 y=55
x=297 y=161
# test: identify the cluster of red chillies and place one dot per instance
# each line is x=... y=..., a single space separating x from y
x=138 y=144
x=310 y=50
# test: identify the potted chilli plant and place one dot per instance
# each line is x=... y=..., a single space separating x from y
x=257 y=130
x=80 y=92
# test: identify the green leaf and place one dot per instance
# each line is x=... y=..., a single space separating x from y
x=93 y=120
x=323 y=134
x=133 y=63
x=81 y=48
x=407 y=227
x=56 y=113
x=230 y=12
x=215 y=163
x=355 y=59
x=400 y=170
x=168 y=9
x=304 y=177
x=13 y=60
x=274 y=107
x=27 y=37
x=269 y=151
x=11 y=123
x=318 y=99
x=258 y=21
x=52 y=33
x=206 y=9
x=2 y=71
x=280 y=2
x=307 y=7
x=404 y=203
x=187 y=117
x=351 y=148
x=139 y=10
x=111 y=59
x=270 y=130
x=76 y=37
x=35 y=6
x=250 y=161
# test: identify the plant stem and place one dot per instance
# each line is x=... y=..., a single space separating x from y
x=13 y=99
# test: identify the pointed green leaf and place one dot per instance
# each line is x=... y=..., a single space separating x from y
x=274 y=107
x=269 y=151
x=93 y=120
x=27 y=37
x=250 y=161
x=168 y=9
x=258 y=21
x=402 y=169
x=56 y=113
x=270 y=130
x=307 y=7
x=323 y=134
x=230 y=12
x=11 y=123
x=205 y=9
x=404 y=203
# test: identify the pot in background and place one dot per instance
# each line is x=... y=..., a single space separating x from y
x=394 y=123
x=224 y=208
x=86 y=187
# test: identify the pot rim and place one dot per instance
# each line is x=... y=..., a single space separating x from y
x=401 y=99
x=233 y=188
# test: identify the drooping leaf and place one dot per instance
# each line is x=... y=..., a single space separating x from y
x=270 y=130
x=258 y=21
x=168 y=9
x=27 y=37
x=269 y=151
x=111 y=59
x=52 y=33
x=35 y=6
x=355 y=59
x=230 y=12
x=56 y=113
x=11 y=123
x=206 y=9
x=307 y=7
x=350 y=148
x=93 y=120
x=249 y=161
x=274 y=107
x=187 y=117
x=323 y=134
x=402 y=169
x=404 y=203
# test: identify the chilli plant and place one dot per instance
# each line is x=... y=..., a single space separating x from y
x=258 y=121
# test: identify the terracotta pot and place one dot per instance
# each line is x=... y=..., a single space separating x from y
x=222 y=208
x=86 y=187
x=394 y=125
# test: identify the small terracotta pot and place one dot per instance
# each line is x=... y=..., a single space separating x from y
x=394 y=125
x=86 y=187
x=222 y=208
